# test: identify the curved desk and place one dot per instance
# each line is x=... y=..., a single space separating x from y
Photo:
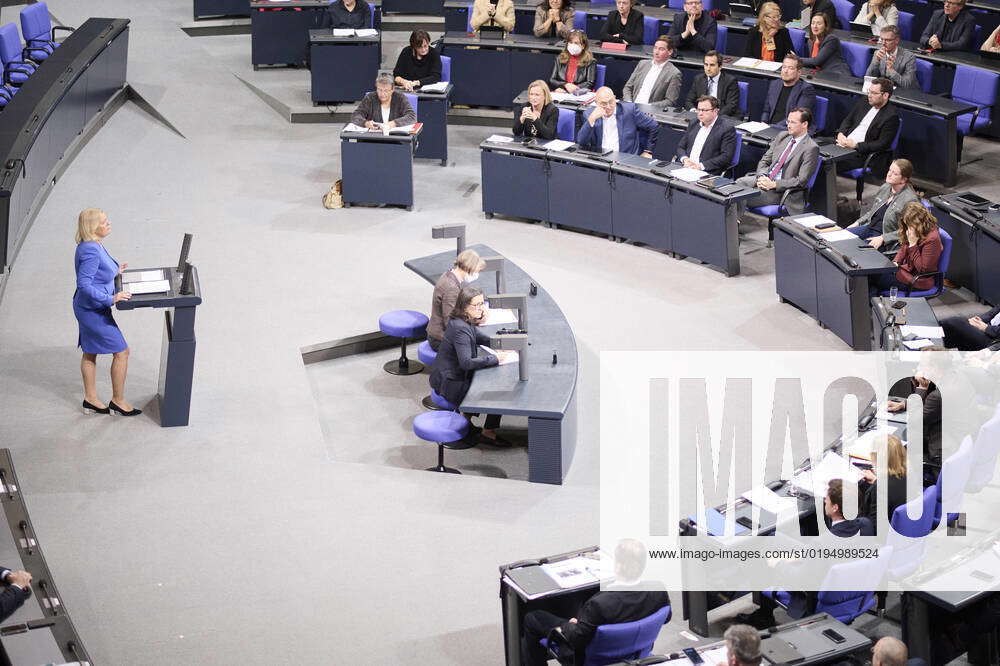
x=548 y=398
x=51 y=117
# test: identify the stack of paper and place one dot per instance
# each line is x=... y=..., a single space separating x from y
x=343 y=32
x=499 y=316
x=557 y=144
x=513 y=355
x=752 y=126
x=768 y=65
x=142 y=276
x=438 y=87
x=812 y=220
x=922 y=331
x=837 y=234
x=351 y=127
x=688 y=175
x=371 y=32
x=145 y=282
x=499 y=138
x=766 y=499
x=580 y=570
x=833 y=466
x=746 y=62
x=917 y=344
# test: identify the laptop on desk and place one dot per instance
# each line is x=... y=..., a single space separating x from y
x=494 y=32
x=861 y=30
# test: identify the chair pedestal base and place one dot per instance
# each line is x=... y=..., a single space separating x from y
x=440 y=466
x=403 y=366
x=428 y=403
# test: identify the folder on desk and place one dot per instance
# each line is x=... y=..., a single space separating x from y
x=779 y=651
x=532 y=581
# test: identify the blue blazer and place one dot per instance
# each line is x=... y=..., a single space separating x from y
x=801 y=94
x=637 y=131
x=458 y=358
x=95 y=276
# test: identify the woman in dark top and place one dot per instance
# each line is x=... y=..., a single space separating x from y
x=418 y=64
x=460 y=355
x=768 y=40
x=539 y=117
x=349 y=14
x=895 y=456
x=624 y=25
x=823 y=48
x=575 y=66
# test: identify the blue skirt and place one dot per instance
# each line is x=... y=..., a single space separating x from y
x=99 y=334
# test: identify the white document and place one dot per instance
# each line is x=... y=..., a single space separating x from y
x=577 y=571
x=366 y=32
x=833 y=466
x=764 y=498
x=867 y=84
x=917 y=344
x=838 y=235
x=752 y=126
x=438 y=87
x=351 y=127
x=514 y=355
x=499 y=138
x=557 y=144
x=688 y=175
x=717 y=657
x=142 y=276
x=403 y=128
x=500 y=316
x=746 y=62
x=343 y=32
x=769 y=66
x=563 y=96
x=152 y=287
x=813 y=220
x=922 y=331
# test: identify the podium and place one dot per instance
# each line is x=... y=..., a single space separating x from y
x=177 y=352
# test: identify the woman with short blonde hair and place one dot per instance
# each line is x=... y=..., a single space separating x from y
x=95 y=293
x=539 y=118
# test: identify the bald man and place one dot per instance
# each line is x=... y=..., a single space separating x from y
x=617 y=127
x=889 y=651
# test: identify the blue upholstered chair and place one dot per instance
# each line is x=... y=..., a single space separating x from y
x=613 y=643
x=445 y=428
x=6 y=95
x=413 y=100
x=845 y=12
x=798 y=36
x=938 y=275
x=579 y=20
x=862 y=172
x=427 y=356
x=603 y=2
x=599 y=76
x=906 y=26
x=906 y=534
x=722 y=39
x=955 y=470
x=39 y=35
x=925 y=74
x=819 y=115
x=446 y=68
x=774 y=211
x=566 y=125
x=984 y=455
x=403 y=324
x=973 y=85
x=376 y=19
x=744 y=87
x=650 y=29
x=736 y=154
x=16 y=68
x=858 y=56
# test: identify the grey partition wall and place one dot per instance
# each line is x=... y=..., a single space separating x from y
x=47 y=119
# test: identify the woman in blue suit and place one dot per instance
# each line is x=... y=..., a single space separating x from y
x=92 y=301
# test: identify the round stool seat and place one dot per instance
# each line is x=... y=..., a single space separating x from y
x=425 y=353
x=403 y=323
x=441 y=402
x=440 y=427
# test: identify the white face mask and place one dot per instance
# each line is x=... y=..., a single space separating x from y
x=471 y=277
x=574 y=49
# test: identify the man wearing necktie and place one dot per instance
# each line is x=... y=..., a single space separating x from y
x=788 y=164
x=715 y=83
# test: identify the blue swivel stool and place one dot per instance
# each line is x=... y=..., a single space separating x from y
x=427 y=355
x=403 y=324
x=445 y=428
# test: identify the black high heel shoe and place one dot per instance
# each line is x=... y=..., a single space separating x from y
x=134 y=412
x=91 y=409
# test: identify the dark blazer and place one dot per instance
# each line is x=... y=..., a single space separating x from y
x=895 y=495
x=849 y=528
x=719 y=148
x=442 y=303
x=825 y=7
x=782 y=44
x=880 y=133
x=637 y=131
x=426 y=70
x=931 y=396
x=630 y=32
x=729 y=94
x=337 y=16
x=610 y=607
x=458 y=358
x=12 y=597
x=585 y=76
x=705 y=36
x=963 y=31
x=829 y=59
x=371 y=109
x=801 y=94
x=543 y=128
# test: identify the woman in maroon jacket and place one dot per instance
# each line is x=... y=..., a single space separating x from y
x=919 y=249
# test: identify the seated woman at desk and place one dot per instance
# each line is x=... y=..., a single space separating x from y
x=554 y=18
x=890 y=448
x=460 y=355
x=823 y=48
x=878 y=14
x=418 y=64
x=624 y=24
x=919 y=250
x=354 y=14
x=493 y=13
x=384 y=108
x=467 y=267
x=575 y=66
x=538 y=118
x=769 y=40
x=880 y=223
x=992 y=42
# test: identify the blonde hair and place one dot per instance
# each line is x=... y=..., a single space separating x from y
x=546 y=93
x=87 y=223
x=470 y=261
x=768 y=7
x=896 y=455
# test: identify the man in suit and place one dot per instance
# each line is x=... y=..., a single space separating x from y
x=930 y=396
x=870 y=127
x=812 y=7
x=974 y=333
x=655 y=80
x=893 y=63
x=694 y=28
x=618 y=127
x=17 y=589
x=789 y=163
x=715 y=83
x=950 y=29
x=709 y=142
x=622 y=602
x=791 y=92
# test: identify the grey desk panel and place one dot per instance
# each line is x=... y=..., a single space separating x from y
x=640 y=209
x=432 y=111
x=377 y=169
x=205 y=8
x=507 y=171
x=279 y=31
x=703 y=229
x=795 y=271
x=332 y=79
x=918 y=312
x=580 y=193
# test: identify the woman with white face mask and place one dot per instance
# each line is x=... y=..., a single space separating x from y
x=466 y=269
x=575 y=67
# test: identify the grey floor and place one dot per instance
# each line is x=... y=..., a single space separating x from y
x=291 y=521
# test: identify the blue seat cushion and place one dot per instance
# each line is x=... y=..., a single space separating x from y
x=856 y=173
x=441 y=401
x=403 y=323
x=18 y=76
x=773 y=210
x=441 y=427
x=426 y=354
x=38 y=54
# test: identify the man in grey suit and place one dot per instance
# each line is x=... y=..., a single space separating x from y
x=789 y=162
x=655 y=80
x=893 y=63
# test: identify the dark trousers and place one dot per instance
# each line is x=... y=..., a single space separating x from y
x=537 y=625
x=492 y=421
x=959 y=334
x=435 y=344
x=886 y=282
x=865 y=232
